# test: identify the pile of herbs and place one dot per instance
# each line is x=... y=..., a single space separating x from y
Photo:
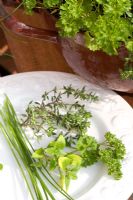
x=107 y=24
x=70 y=148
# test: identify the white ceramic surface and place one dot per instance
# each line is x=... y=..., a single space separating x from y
x=111 y=113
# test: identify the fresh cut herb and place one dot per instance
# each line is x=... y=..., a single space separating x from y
x=53 y=113
x=86 y=152
x=1 y=166
x=35 y=178
x=71 y=148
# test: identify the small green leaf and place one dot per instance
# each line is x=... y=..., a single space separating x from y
x=70 y=162
x=64 y=162
x=29 y=5
x=88 y=148
x=50 y=131
x=60 y=143
x=129 y=45
x=39 y=154
x=51 y=151
x=53 y=164
x=1 y=166
x=69 y=166
x=73 y=175
x=37 y=164
x=76 y=161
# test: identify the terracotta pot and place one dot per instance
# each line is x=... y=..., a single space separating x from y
x=96 y=67
x=33 y=49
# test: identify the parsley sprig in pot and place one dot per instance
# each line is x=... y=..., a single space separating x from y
x=103 y=51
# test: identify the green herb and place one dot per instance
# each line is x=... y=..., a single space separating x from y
x=53 y=112
x=1 y=166
x=127 y=72
x=88 y=148
x=52 y=152
x=80 y=93
x=54 y=157
x=22 y=150
x=65 y=154
x=69 y=166
x=86 y=152
x=47 y=116
x=106 y=24
x=29 y=5
x=111 y=152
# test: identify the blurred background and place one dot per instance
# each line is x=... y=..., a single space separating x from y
x=7 y=65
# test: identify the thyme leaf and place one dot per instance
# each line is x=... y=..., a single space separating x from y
x=54 y=112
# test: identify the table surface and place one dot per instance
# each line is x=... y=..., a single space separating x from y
x=127 y=97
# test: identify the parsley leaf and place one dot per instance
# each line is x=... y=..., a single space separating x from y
x=88 y=148
x=111 y=153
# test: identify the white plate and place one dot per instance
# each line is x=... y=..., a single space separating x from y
x=111 y=113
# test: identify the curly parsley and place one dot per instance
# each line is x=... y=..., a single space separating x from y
x=111 y=153
x=106 y=24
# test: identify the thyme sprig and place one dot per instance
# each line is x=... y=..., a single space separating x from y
x=53 y=112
